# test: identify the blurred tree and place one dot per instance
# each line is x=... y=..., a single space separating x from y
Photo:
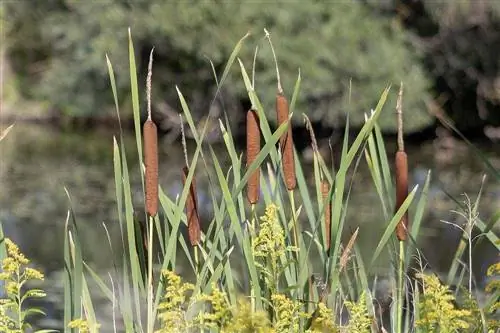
x=58 y=49
x=460 y=40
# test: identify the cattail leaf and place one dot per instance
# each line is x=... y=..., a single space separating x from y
x=373 y=160
x=392 y=225
x=242 y=239
x=100 y=283
x=235 y=162
x=134 y=88
x=418 y=217
x=347 y=158
x=229 y=63
x=295 y=95
x=88 y=306
x=384 y=163
x=74 y=258
x=133 y=258
x=6 y=131
x=256 y=105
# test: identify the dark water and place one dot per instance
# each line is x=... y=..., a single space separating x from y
x=37 y=163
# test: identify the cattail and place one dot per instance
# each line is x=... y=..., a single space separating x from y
x=192 y=210
x=253 y=148
x=151 y=162
x=325 y=190
x=401 y=192
x=286 y=143
x=401 y=171
x=151 y=152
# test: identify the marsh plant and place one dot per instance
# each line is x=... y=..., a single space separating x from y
x=275 y=262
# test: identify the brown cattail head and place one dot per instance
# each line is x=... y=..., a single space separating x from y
x=286 y=143
x=151 y=163
x=401 y=192
x=253 y=148
x=325 y=190
x=193 y=218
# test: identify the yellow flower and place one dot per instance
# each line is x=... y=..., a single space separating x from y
x=324 y=321
x=221 y=312
x=15 y=274
x=436 y=308
x=171 y=310
x=81 y=324
x=246 y=320
x=287 y=313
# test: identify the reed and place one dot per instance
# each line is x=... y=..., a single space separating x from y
x=151 y=163
x=150 y=134
x=192 y=214
x=325 y=190
x=286 y=143
x=401 y=169
x=401 y=164
x=253 y=148
x=401 y=192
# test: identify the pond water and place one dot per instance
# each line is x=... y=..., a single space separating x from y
x=38 y=162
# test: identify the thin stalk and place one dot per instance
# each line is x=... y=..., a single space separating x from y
x=196 y=263
x=150 y=276
x=295 y=233
x=252 y=237
x=399 y=303
x=294 y=219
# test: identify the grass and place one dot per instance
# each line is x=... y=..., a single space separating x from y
x=275 y=263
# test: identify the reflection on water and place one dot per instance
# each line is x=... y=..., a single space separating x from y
x=37 y=163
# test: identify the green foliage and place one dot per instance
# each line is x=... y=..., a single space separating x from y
x=60 y=54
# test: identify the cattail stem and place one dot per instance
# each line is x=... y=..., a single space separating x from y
x=399 y=113
x=150 y=276
x=253 y=223
x=401 y=194
x=325 y=190
x=295 y=225
x=193 y=218
x=196 y=262
x=399 y=327
x=253 y=148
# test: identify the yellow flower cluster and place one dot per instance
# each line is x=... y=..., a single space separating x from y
x=171 y=310
x=220 y=315
x=436 y=309
x=81 y=324
x=359 y=319
x=15 y=275
x=270 y=242
x=323 y=321
x=491 y=287
x=287 y=313
x=246 y=320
